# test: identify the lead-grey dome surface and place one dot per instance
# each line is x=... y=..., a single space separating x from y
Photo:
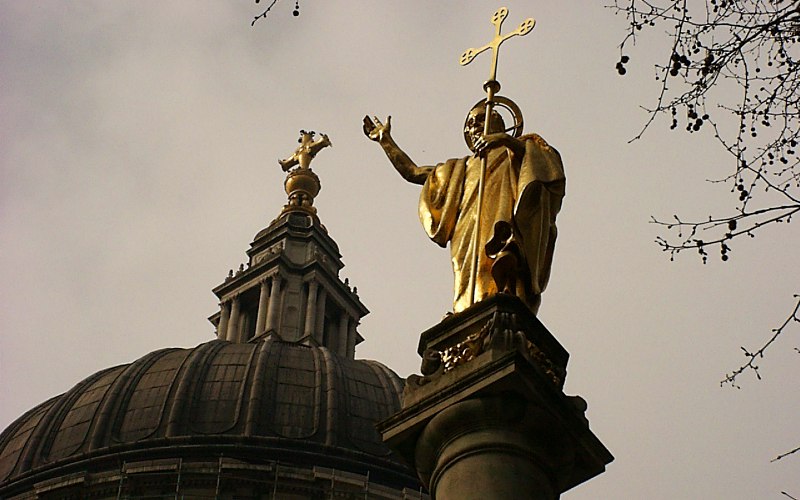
x=275 y=399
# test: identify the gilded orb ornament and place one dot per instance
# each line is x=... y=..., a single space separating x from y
x=302 y=185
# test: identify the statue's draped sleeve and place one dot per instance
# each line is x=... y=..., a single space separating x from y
x=541 y=189
x=441 y=199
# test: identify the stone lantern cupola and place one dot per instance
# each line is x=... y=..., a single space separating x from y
x=290 y=285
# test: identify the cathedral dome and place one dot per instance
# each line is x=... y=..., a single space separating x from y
x=276 y=407
x=263 y=401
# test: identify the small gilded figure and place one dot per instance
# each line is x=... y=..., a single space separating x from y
x=306 y=151
x=302 y=184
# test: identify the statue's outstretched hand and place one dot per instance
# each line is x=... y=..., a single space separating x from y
x=376 y=130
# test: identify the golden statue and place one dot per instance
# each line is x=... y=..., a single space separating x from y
x=496 y=208
x=524 y=185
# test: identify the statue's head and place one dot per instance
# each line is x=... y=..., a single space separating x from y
x=475 y=122
x=306 y=137
x=474 y=125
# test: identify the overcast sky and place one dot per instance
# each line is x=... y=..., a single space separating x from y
x=138 y=148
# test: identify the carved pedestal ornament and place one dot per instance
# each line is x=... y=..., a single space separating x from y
x=503 y=331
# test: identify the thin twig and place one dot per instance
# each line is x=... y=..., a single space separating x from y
x=263 y=14
x=752 y=356
x=785 y=454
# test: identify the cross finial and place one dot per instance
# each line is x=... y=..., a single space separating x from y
x=497 y=20
x=306 y=151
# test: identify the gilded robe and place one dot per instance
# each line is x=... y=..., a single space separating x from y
x=523 y=191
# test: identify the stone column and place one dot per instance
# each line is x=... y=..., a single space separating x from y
x=274 y=303
x=489 y=448
x=311 y=309
x=344 y=326
x=224 y=316
x=263 y=303
x=233 y=324
x=319 y=333
x=351 y=339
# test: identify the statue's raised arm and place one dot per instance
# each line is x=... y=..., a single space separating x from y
x=380 y=133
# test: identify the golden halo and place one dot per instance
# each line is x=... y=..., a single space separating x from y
x=514 y=130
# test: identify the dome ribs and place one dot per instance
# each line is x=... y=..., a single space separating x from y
x=188 y=379
x=14 y=439
x=367 y=404
x=392 y=384
x=319 y=363
x=266 y=408
x=221 y=390
x=333 y=400
x=252 y=420
x=38 y=445
x=101 y=433
x=297 y=397
x=147 y=401
x=73 y=430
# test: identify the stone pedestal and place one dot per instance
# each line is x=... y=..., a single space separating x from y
x=488 y=418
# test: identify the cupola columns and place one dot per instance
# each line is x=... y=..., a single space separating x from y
x=311 y=310
x=233 y=323
x=274 y=303
x=319 y=330
x=263 y=303
x=344 y=329
x=224 y=317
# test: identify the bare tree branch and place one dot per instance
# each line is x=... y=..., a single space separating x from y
x=728 y=62
x=716 y=47
x=782 y=455
x=759 y=354
x=731 y=66
x=263 y=15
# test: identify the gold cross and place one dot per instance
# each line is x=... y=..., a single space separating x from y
x=497 y=19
